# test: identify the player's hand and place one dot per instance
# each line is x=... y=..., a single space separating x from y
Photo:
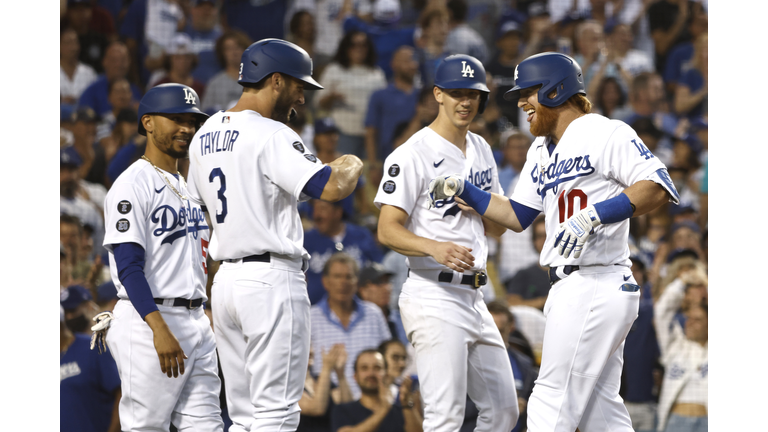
x=443 y=187
x=464 y=207
x=453 y=256
x=575 y=231
x=168 y=349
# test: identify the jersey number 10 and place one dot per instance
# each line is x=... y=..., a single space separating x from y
x=566 y=211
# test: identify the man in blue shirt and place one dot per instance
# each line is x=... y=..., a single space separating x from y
x=203 y=28
x=331 y=235
x=116 y=64
x=391 y=106
x=89 y=385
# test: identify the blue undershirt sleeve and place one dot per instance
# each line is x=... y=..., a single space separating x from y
x=525 y=215
x=317 y=182
x=129 y=259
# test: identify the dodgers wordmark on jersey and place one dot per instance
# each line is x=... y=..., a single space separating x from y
x=581 y=170
x=260 y=215
x=141 y=209
x=408 y=171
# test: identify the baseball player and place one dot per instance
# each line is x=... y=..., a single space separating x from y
x=250 y=171
x=157 y=241
x=589 y=175
x=458 y=350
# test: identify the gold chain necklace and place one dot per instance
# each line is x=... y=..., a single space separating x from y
x=162 y=174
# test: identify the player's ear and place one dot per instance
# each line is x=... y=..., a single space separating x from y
x=148 y=123
x=438 y=92
x=277 y=81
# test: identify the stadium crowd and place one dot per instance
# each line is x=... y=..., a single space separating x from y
x=644 y=62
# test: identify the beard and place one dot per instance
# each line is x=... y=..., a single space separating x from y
x=545 y=122
x=283 y=110
x=165 y=145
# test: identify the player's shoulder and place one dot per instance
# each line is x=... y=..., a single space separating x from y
x=479 y=142
x=412 y=148
x=137 y=174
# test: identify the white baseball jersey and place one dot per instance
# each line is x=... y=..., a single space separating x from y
x=408 y=171
x=596 y=159
x=141 y=208
x=271 y=166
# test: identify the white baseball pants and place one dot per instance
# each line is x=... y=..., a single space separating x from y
x=459 y=352
x=261 y=319
x=588 y=318
x=151 y=400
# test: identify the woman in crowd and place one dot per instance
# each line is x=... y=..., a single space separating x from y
x=222 y=90
x=349 y=81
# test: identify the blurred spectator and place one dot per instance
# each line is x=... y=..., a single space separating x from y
x=530 y=285
x=72 y=236
x=641 y=359
x=387 y=32
x=341 y=317
x=75 y=200
x=106 y=296
x=375 y=408
x=691 y=91
x=683 y=403
x=609 y=97
x=65 y=267
x=374 y=286
x=502 y=68
x=514 y=147
x=329 y=21
x=133 y=147
x=120 y=98
x=75 y=76
x=391 y=106
x=679 y=58
x=426 y=112
x=463 y=39
x=522 y=365
x=676 y=263
x=302 y=31
x=319 y=398
x=620 y=43
x=349 y=82
x=116 y=64
x=223 y=91
x=93 y=159
x=179 y=62
x=122 y=135
x=89 y=386
x=590 y=42
x=204 y=29
x=93 y=43
x=431 y=46
x=395 y=359
x=332 y=234
x=648 y=99
x=668 y=20
x=79 y=309
x=66 y=124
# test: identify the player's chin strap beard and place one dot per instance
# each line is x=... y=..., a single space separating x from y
x=162 y=174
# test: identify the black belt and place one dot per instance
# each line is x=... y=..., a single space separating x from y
x=253 y=258
x=474 y=280
x=567 y=270
x=189 y=304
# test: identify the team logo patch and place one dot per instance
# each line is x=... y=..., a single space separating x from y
x=466 y=70
x=123 y=225
x=311 y=157
x=124 y=207
x=225 y=119
x=388 y=187
x=298 y=146
x=394 y=170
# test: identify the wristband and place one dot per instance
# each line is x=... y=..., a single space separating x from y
x=475 y=197
x=615 y=209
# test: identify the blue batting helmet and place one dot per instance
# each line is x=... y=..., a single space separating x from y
x=170 y=99
x=463 y=72
x=554 y=72
x=276 y=55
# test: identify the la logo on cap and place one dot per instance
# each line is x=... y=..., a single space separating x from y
x=467 y=69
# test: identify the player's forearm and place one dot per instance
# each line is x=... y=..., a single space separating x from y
x=398 y=238
x=346 y=170
x=156 y=322
x=646 y=196
x=501 y=212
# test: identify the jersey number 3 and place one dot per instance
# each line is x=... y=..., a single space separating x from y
x=220 y=213
x=567 y=202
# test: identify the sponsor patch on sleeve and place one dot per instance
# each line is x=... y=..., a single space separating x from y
x=394 y=170
x=388 y=186
x=311 y=157
x=123 y=225
x=124 y=207
x=298 y=146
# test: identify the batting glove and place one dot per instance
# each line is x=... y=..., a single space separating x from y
x=444 y=187
x=575 y=231
x=99 y=335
